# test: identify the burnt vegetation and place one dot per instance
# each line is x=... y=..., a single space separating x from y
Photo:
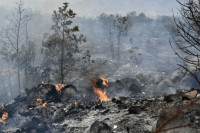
x=111 y=73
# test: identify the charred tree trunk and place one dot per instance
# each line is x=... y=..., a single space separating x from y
x=62 y=57
x=118 y=47
x=18 y=75
x=26 y=59
x=112 y=50
x=61 y=63
x=10 y=86
x=17 y=45
x=33 y=73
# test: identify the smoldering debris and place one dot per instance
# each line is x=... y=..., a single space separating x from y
x=43 y=109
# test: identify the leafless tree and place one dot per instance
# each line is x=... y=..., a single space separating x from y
x=14 y=37
x=186 y=40
x=123 y=25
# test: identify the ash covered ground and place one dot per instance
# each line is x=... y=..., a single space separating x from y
x=45 y=109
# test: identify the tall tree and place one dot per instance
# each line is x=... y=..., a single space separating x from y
x=123 y=25
x=108 y=22
x=14 y=37
x=186 y=41
x=61 y=47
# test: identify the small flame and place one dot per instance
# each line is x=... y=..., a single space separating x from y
x=30 y=108
x=102 y=94
x=42 y=84
x=39 y=101
x=59 y=87
x=4 y=117
x=44 y=105
x=105 y=81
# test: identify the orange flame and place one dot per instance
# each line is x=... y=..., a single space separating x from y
x=102 y=94
x=59 y=87
x=44 y=105
x=4 y=117
x=42 y=84
x=30 y=108
x=39 y=101
x=105 y=81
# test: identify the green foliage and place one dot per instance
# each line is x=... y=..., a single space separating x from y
x=123 y=25
x=61 y=48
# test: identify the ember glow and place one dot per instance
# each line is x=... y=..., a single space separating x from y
x=42 y=84
x=30 y=108
x=39 y=101
x=59 y=87
x=105 y=81
x=44 y=105
x=102 y=94
x=4 y=117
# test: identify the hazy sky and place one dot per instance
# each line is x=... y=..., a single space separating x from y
x=89 y=8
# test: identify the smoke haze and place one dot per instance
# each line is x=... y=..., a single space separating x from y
x=92 y=8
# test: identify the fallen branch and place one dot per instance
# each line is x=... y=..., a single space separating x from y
x=185 y=125
x=175 y=114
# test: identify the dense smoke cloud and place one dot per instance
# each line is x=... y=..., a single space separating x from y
x=149 y=36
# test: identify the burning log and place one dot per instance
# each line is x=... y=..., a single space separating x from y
x=47 y=93
x=74 y=115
